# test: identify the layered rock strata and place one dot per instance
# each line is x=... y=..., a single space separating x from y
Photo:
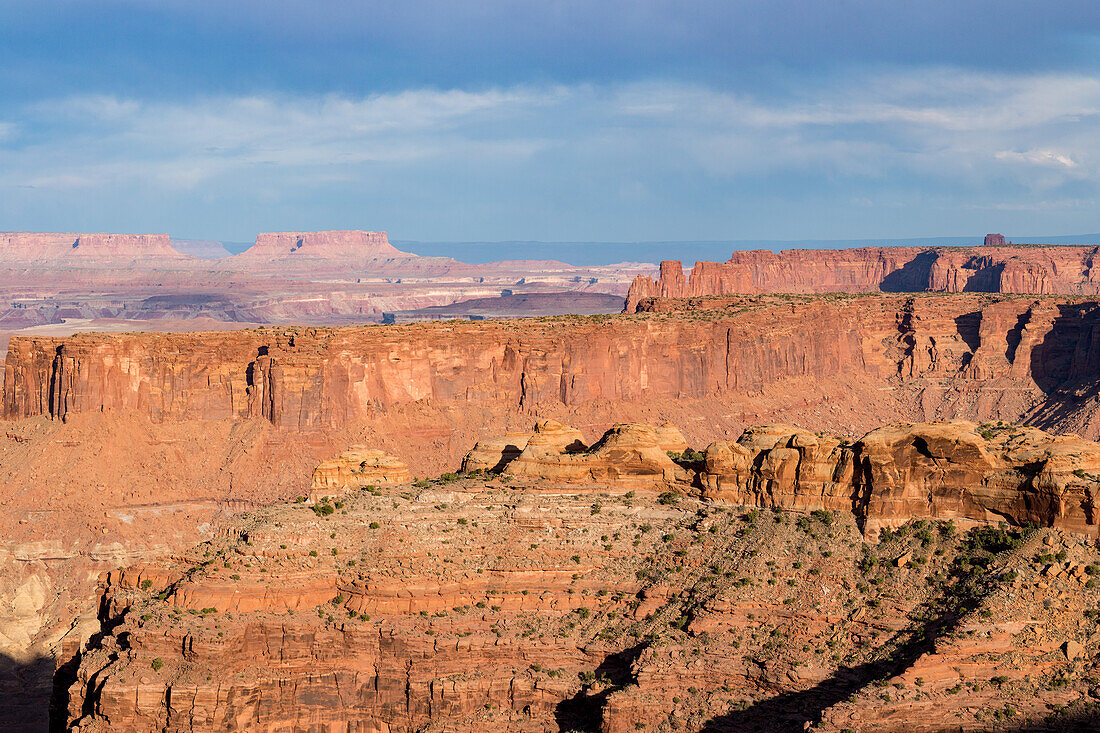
x=487 y=606
x=974 y=356
x=355 y=469
x=28 y=247
x=995 y=269
x=349 y=245
x=956 y=471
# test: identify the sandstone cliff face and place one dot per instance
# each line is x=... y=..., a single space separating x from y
x=123 y=448
x=1004 y=269
x=963 y=356
x=522 y=608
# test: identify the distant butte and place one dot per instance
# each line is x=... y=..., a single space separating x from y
x=343 y=244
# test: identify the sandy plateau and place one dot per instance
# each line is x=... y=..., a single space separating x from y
x=724 y=510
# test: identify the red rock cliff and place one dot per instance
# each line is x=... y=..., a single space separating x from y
x=1004 y=269
x=964 y=356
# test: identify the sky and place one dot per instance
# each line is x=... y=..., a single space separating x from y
x=557 y=120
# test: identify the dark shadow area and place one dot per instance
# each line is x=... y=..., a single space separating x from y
x=66 y=673
x=1067 y=357
x=1072 y=722
x=1012 y=340
x=52 y=398
x=985 y=279
x=912 y=277
x=26 y=689
x=791 y=712
x=968 y=326
x=583 y=711
x=1065 y=365
x=507 y=455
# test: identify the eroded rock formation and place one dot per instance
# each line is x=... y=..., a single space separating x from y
x=994 y=269
x=958 y=470
x=354 y=469
x=157 y=439
x=628 y=455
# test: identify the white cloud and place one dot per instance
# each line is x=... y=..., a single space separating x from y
x=932 y=124
x=1038 y=157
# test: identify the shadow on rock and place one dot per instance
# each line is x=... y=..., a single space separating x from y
x=583 y=712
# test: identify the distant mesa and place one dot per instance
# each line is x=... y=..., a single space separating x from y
x=996 y=267
x=49 y=247
x=36 y=246
x=336 y=244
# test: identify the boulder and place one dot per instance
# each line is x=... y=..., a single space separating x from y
x=355 y=468
x=493 y=454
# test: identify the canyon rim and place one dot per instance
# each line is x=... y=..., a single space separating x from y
x=570 y=367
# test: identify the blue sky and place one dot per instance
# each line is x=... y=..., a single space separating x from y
x=551 y=121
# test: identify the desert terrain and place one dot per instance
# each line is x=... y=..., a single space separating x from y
x=71 y=283
x=718 y=511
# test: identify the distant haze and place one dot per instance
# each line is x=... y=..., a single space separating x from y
x=606 y=253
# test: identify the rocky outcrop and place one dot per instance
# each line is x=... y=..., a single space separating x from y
x=492 y=454
x=355 y=469
x=628 y=455
x=994 y=269
x=959 y=471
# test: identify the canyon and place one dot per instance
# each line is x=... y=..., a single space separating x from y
x=171 y=499
x=996 y=267
x=536 y=598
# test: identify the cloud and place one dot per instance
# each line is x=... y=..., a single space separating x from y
x=995 y=141
x=1038 y=157
x=182 y=144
